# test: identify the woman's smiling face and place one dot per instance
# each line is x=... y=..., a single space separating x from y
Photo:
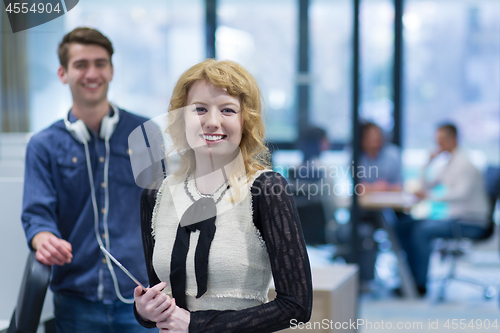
x=213 y=119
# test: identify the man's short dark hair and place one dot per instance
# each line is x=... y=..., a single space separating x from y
x=310 y=139
x=449 y=128
x=312 y=134
x=85 y=36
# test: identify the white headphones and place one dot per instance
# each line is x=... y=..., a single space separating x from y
x=79 y=130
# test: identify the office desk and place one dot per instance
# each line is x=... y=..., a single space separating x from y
x=386 y=204
x=335 y=297
x=398 y=201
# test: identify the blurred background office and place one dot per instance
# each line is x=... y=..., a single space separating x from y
x=405 y=65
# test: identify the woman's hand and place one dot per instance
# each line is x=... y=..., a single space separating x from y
x=153 y=304
x=177 y=322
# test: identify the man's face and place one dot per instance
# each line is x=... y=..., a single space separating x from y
x=372 y=140
x=88 y=74
x=445 y=140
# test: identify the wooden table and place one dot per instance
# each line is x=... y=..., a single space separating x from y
x=399 y=201
x=335 y=296
x=387 y=203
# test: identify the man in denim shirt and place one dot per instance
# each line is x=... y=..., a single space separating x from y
x=380 y=162
x=64 y=221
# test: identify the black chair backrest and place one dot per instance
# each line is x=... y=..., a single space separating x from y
x=305 y=187
x=312 y=218
x=36 y=279
x=491 y=224
x=492 y=182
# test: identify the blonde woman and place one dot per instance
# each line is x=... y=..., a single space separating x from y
x=221 y=227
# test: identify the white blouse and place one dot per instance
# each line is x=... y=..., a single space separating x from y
x=239 y=270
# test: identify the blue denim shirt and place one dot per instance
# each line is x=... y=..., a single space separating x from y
x=386 y=166
x=57 y=199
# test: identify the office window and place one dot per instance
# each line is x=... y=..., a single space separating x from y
x=376 y=19
x=452 y=72
x=330 y=30
x=154 y=42
x=262 y=37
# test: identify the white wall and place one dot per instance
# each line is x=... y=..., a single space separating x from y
x=13 y=247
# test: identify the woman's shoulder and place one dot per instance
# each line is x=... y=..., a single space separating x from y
x=150 y=193
x=267 y=174
x=268 y=178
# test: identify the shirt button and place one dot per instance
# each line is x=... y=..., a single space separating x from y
x=74 y=159
x=104 y=261
x=103 y=185
x=104 y=236
x=103 y=210
x=129 y=151
x=101 y=159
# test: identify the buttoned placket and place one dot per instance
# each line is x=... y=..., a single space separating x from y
x=98 y=163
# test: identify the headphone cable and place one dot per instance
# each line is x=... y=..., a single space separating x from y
x=105 y=218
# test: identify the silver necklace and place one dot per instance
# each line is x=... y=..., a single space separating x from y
x=204 y=195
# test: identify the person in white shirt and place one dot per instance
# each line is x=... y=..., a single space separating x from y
x=466 y=198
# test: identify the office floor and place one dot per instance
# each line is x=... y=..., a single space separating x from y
x=464 y=309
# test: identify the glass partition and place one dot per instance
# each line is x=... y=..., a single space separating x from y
x=262 y=37
x=154 y=42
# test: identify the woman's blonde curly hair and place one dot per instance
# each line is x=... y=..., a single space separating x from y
x=238 y=83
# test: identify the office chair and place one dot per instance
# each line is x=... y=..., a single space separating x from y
x=309 y=206
x=454 y=249
x=26 y=316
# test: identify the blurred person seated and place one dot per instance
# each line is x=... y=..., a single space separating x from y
x=380 y=161
x=379 y=170
x=313 y=141
x=312 y=187
x=466 y=197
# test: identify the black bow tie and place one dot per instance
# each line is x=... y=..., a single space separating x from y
x=199 y=216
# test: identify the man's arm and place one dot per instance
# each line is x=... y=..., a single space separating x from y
x=39 y=208
x=51 y=250
x=424 y=183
